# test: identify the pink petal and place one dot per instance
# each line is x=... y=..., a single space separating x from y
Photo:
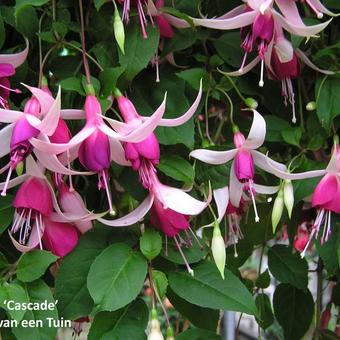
x=177 y=200
x=59 y=238
x=213 y=157
x=133 y=217
x=5 y=139
x=60 y=148
x=238 y=21
x=15 y=59
x=187 y=115
x=235 y=188
x=221 y=197
x=257 y=132
x=72 y=114
x=290 y=11
x=303 y=31
x=325 y=191
x=9 y=116
x=308 y=62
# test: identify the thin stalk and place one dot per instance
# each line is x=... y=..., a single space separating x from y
x=82 y=36
x=318 y=304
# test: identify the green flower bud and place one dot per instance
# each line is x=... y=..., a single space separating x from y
x=251 y=103
x=288 y=196
x=277 y=210
x=20 y=169
x=170 y=334
x=218 y=249
x=311 y=106
x=118 y=28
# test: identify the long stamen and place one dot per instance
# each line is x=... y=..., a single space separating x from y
x=9 y=89
x=142 y=19
x=108 y=193
x=257 y=218
x=243 y=61
x=303 y=253
x=315 y=10
x=261 y=82
x=190 y=270
x=39 y=224
x=9 y=174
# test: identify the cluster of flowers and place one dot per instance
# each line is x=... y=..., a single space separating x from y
x=49 y=212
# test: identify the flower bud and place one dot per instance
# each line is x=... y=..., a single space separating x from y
x=251 y=103
x=154 y=327
x=170 y=334
x=118 y=28
x=311 y=106
x=277 y=210
x=20 y=168
x=288 y=196
x=218 y=249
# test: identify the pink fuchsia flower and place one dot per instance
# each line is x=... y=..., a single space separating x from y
x=301 y=238
x=244 y=157
x=8 y=64
x=283 y=64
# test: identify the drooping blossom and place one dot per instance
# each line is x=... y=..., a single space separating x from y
x=301 y=238
x=283 y=64
x=37 y=209
x=325 y=198
x=8 y=64
x=245 y=157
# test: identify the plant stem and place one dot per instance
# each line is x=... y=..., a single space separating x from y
x=82 y=36
x=318 y=304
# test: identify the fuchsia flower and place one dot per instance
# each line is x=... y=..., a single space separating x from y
x=244 y=157
x=8 y=64
x=301 y=238
x=283 y=64
x=325 y=198
x=37 y=212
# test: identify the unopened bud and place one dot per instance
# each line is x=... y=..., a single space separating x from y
x=154 y=327
x=19 y=169
x=218 y=249
x=119 y=32
x=277 y=210
x=251 y=103
x=170 y=334
x=311 y=106
x=288 y=196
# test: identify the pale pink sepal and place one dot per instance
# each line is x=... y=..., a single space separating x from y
x=240 y=20
x=133 y=217
x=118 y=153
x=72 y=114
x=221 y=197
x=187 y=115
x=176 y=22
x=9 y=116
x=265 y=189
x=15 y=59
x=5 y=139
x=307 y=61
x=234 y=12
x=213 y=157
x=244 y=69
x=257 y=132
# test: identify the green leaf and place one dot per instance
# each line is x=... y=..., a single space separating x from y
x=263 y=281
x=27 y=21
x=3 y=261
x=108 y=79
x=16 y=293
x=206 y=318
x=207 y=289
x=275 y=125
x=72 y=84
x=177 y=167
x=33 y=264
x=150 y=244
x=193 y=77
x=293 y=309
x=39 y=292
x=6 y=212
x=129 y=322
x=2 y=31
x=287 y=267
x=138 y=51
x=160 y=281
x=327 y=99
x=70 y=286
x=266 y=317
x=292 y=135
x=98 y=4
x=116 y=277
x=198 y=334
